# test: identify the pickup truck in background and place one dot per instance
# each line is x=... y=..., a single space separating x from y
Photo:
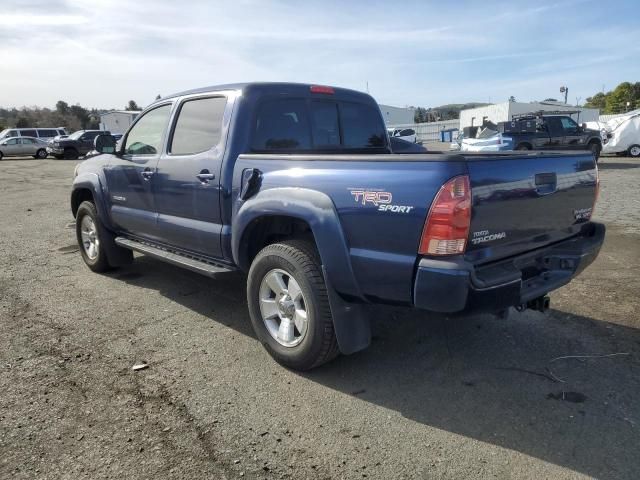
x=532 y=131
x=297 y=186
x=75 y=145
x=556 y=131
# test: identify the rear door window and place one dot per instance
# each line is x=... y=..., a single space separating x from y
x=199 y=126
x=282 y=125
x=46 y=133
x=28 y=133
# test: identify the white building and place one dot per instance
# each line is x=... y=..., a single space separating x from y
x=502 y=112
x=117 y=121
x=397 y=115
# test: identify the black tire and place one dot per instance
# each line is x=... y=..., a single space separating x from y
x=523 y=146
x=634 y=151
x=100 y=263
x=42 y=153
x=300 y=260
x=595 y=148
x=71 y=154
x=1 y=155
x=59 y=157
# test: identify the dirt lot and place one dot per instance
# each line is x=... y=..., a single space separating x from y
x=431 y=398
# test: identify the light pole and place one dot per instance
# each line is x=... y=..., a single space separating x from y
x=564 y=90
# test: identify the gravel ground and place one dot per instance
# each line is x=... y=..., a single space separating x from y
x=431 y=398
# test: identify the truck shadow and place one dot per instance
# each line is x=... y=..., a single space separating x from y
x=617 y=166
x=484 y=378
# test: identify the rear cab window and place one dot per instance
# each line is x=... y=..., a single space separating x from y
x=298 y=124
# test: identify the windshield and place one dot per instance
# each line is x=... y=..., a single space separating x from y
x=76 y=135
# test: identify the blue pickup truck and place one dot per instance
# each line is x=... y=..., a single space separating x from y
x=299 y=187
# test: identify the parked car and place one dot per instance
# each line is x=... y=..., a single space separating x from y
x=407 y=134
x=75 y=145
x=22 y=147
x=551 y=131
x=296 y=186
x=42 y=133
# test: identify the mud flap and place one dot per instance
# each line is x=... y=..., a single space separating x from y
x=350 y=321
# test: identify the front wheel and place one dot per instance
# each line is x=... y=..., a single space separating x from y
x=289 y=305
x=595 y=149
x=71 y=154
x=634 y=151
x=523 y=147
x=89 y=235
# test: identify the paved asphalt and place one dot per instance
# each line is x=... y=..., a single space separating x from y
x=433 y=397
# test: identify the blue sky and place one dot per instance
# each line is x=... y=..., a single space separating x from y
x=104 y=52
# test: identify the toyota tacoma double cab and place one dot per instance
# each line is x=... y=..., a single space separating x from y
x=297 y=186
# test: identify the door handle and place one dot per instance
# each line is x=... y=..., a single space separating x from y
x=147 y=173
x=205 y=176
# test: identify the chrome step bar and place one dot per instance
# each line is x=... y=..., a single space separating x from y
x=191 y=263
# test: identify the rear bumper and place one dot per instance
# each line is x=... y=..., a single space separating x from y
x=454 y=285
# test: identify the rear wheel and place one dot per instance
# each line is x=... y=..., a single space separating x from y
x=70 y=153
x=523 y=146
x=42 y=153
x=289 y=305
x=634 y=151
x=1 y=155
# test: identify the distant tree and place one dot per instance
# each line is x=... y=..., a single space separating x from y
x=22 y=123
x=550 y=100
x=131 y=106
x=62 y=107
x=599 y=100
x=512 y=99
x=158 y=97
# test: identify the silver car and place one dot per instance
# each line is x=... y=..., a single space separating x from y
x=23 y=147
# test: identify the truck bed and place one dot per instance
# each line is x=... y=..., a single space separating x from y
x=520 y=202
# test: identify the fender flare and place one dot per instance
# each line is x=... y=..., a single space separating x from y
x=117 y=256
x=91 y=182
x=350 y=320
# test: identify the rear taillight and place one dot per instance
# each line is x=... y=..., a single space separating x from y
x=447 y=227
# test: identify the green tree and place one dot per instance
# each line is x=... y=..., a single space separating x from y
x=599 y=100
x=22 y=123
x=132 y=106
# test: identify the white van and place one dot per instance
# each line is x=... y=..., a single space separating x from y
x=43 y=133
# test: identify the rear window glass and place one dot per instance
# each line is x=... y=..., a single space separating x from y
x=297 y=124
x=362 y=127
x=325 y=126
x=199 y=126
x=282 y=125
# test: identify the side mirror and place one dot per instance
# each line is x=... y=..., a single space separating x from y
x=105 y=144
x=583 y=126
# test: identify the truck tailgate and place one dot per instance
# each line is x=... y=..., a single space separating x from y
x=523 y=202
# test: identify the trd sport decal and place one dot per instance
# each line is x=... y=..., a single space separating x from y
x=382 y=200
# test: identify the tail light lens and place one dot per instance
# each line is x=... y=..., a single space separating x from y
x=447 y=227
